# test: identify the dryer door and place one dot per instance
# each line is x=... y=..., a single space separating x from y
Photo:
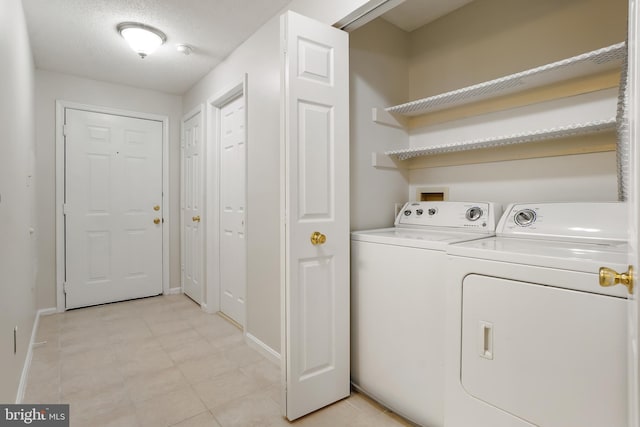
x=553 y=357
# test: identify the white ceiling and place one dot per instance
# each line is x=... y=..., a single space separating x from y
x=413 y=14
x=79 y=37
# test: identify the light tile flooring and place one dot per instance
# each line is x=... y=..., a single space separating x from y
x=161 y=361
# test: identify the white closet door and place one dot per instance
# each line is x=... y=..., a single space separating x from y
x=633 y=352
x=192 y=212
x=233 y=258
x=113 y=182
x=315 y=315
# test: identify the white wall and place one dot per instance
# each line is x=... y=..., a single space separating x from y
x=52 y=86
x=379 y=69
x=17 y=203
x=259 y=58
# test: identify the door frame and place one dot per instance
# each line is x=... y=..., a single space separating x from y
x=212 y=192
x=203 y=225
x=61 y=105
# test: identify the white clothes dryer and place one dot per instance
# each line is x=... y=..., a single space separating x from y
x=532 y=338
x=397 y=304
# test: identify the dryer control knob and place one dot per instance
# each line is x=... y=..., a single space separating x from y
x=525 y=217
x=407 y=212
x=474 y=213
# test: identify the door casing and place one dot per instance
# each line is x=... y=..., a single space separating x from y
x=203 y=225
x=212 y=203
x=61 y=105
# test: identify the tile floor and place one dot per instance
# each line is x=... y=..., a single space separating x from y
x=161 y=361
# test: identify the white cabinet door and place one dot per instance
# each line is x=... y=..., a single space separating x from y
x=113 y=186
x=192 y=213
x=233 y=255
x=315 y=349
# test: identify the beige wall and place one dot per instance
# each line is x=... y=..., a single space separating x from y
x=379 y=71
x=52 y=86
x=491 y=38
x=17 y=203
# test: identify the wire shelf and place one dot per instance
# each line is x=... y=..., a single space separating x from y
x=597 y=61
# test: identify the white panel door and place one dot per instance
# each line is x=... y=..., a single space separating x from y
x=192 y=213
x=634 y=211
x=316 y=199
x=233 y=258
x=113 y=199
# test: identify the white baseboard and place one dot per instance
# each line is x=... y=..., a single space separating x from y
x=24 y=378
x=47 y=311
x=262 y=348
x=174 y=291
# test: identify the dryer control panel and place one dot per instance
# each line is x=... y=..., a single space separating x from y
x=565 y=221
x=472 y=216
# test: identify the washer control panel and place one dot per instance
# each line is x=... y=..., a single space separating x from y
x=595 y=221
x=478 y=216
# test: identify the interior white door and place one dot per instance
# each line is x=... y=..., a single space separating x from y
x=112 y=208
x=315 y=316
x=192 y=213
x=634 y=210
x=233 y=257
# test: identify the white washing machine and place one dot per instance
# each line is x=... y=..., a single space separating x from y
x=397 y=304
x=532 y=338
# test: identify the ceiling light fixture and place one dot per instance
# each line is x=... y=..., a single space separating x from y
x=142 y=38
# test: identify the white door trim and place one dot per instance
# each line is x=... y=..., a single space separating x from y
x=61 y=105
x=212 y=209
x=198 y=109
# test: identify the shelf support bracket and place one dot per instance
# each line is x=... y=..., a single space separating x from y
x=380 y=116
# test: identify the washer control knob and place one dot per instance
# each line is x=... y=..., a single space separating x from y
x=525 y=217
x=407 y=212
x=419 y=212
x=432 y=211
x=474 y=213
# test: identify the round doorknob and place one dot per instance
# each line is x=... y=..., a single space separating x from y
x=156 y=208
x=195 y=218
x=317 y=238
x=156 y=221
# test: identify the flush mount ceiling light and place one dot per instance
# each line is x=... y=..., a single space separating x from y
x=142 y=38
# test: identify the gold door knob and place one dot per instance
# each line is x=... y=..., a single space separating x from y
x=156 y=208
x=317 y=238
x=156 y=221
x=609 y=277
x=195 y=218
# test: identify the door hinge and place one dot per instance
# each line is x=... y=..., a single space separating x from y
x=65 y=209
x=64 y=287
x=64 y=130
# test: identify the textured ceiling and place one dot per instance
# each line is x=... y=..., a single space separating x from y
x=79 y=37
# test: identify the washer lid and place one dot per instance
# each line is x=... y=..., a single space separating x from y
x=424 y=238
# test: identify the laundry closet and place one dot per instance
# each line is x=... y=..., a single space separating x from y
x=498 y=101
x=482 y=41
